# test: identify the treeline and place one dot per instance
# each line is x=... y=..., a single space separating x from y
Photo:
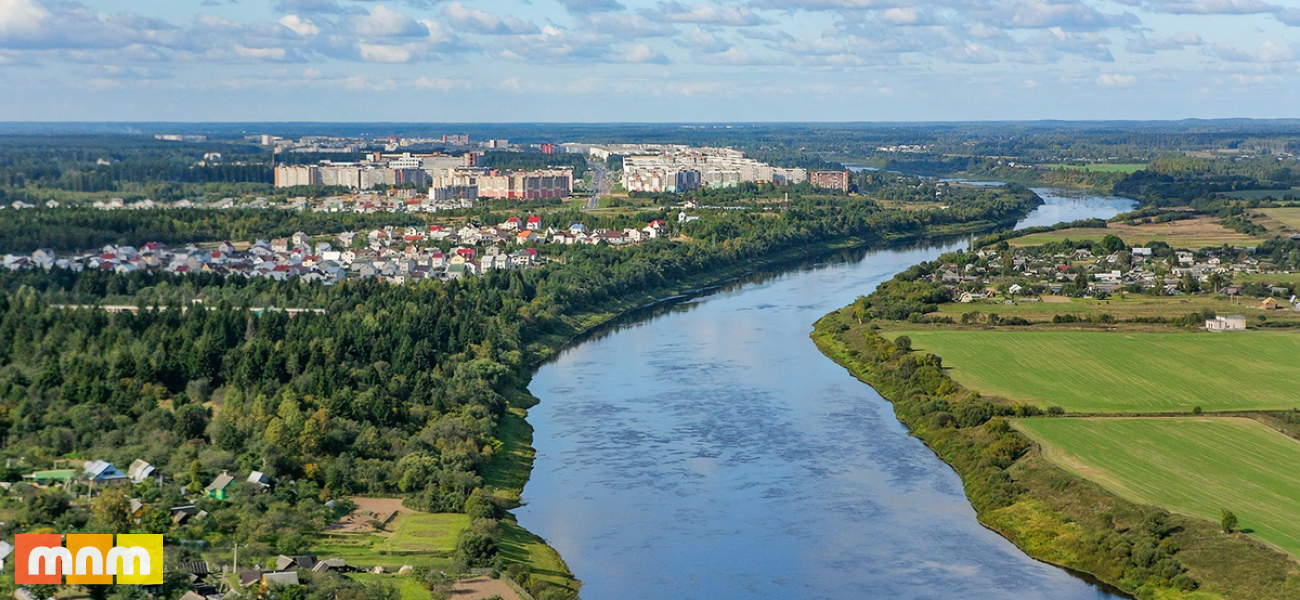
x=396 y=390
x=75 y=229
x=1144 y=551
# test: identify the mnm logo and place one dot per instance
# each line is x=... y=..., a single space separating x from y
x=88 y=559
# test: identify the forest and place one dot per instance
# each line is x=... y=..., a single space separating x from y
x=396 y=390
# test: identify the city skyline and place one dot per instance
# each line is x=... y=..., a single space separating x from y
x=646 y=61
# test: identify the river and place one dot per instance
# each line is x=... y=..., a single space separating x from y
x=709 y=451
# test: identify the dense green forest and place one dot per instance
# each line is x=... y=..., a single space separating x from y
x=396 y=390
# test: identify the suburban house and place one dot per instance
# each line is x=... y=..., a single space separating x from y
x=259 y=479
x=217 y=490
x=289 y=578
x=44 y=478
x=98 y=471
x=139 y=471
x=1232 y=323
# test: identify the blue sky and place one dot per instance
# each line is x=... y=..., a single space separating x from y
x=647 y=60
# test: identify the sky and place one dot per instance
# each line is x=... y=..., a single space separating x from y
x=647 y=60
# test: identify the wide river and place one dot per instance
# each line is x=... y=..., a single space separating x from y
x=708 y=451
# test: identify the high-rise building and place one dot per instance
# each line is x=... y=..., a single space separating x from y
x=830 y=180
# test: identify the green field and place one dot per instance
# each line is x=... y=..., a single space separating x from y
x=1106 y=168
x=1261 y=194
x=408 y=586
x=1125 y=306
x=418 y=540
x=1194 y=466
x=1085 y=371
x=1188 y=233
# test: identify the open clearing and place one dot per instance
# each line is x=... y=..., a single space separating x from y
x=482 y=588
x=1126 y=168
x=411 y=538
x=1287 y=219
x=1190 y=233
x=1125 y=306
x=1084 y=371
x=1194 y=466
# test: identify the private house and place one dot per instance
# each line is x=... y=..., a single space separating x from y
x=284 y=563
x=332 y=564
x=139 y=471
x=534 y=223
x=1231 y=323
x=218 y=489
x=52 y=477
x=101 y=472
x=289 y=578
x=259 y=480
x=1270 y=304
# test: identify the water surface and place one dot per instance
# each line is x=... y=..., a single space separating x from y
x=709 y=451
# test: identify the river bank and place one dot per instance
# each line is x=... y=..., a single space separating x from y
x=510 y=472
x=708 y=450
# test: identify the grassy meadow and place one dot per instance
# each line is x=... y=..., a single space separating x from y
x=1124 y=307
x=420 y=539
x=1084 y=371
x=1287 y=219
x=1190 y=233
x=1193 y=466
x=1125 y=168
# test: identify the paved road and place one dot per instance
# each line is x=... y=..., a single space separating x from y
x=602 y=183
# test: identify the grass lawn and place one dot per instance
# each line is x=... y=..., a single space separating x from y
x=1193 y=466
x=1106 y=168
x=425 y=533
x=408 y=586
x=1085 y=371
x=1267 y=278
x=417 y=539
x=1260 y=194
x=1126 y=306
x=518 y=545
x=1289 y=218
x=1190 y=233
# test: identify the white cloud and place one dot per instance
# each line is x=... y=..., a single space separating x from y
x=385 y=22
x=299 y=25
x=707 y=14
x=1073 y=15
x=1145 y=45
x=483 y=22
x=1110 y=80
x=20 y=17
x=384 y=53
x=1215 y=7
x=642 y=53
x=275 y=54
x=511 y=85
x=439 y=83
x=1268 y=52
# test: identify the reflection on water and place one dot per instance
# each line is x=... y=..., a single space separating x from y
x=707 y=450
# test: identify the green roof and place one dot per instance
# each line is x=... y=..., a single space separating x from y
x=59 y=474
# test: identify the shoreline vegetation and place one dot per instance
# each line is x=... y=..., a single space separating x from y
x=1137 y=483
x=511 y=471
x=1050 y=513
x=417 y=391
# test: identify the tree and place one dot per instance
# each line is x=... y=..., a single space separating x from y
x=113 y=509
x=191 y=420
x=903 y=343
x=1228 y=521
